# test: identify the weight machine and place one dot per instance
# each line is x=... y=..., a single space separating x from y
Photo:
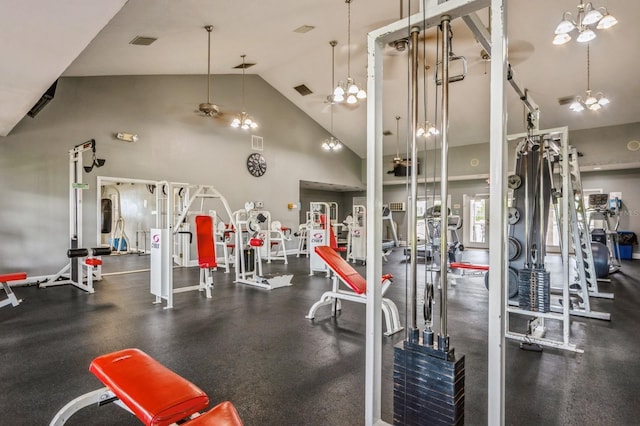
x=250 y=239
x=170 y=226
x=601 y=209
x=72 y=273
x=357 y=234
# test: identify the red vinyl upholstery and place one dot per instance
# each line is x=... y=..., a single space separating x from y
x=93 y=261
x=15 y=276
x=155 y=394
x=204 y=240
x=341 y=267
x=458 y=265
x=223 y=414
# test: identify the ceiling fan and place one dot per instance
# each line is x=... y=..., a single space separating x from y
x=207 y=108
x=401 y=166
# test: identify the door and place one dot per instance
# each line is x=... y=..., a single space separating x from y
x=476 y=221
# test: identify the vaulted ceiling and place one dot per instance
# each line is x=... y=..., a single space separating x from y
x=42 y=40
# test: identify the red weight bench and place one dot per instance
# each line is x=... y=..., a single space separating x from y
x=344 y=272
x=5 y=279
x=154 y=394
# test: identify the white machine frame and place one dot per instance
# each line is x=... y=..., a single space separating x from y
x=336 y=294
x=163 y=237
x=245 y=228
x=76 y=188
x=317 y=236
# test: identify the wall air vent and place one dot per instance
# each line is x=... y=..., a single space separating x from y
x=303 y=90
x=142 y=41
x=44 y=100
x=398 y=207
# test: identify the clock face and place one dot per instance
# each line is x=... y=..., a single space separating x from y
x=256 y=164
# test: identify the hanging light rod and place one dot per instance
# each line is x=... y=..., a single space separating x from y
x=590 y=101
x=243 y=120
x=348 y=90
x=331 y=143
x=587 y=17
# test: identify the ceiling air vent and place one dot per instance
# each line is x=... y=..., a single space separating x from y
x=244 y=65
x=303 y=90
x=304 y=29
x=142 y=41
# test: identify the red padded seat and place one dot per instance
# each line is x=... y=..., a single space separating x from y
x=350 y=276
x=256 y=242
x=223 y=414
x=15 y=276
x=204 y=240
x=155 y=394
x=93 y=261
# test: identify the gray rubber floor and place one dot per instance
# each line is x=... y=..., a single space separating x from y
x=256 y=349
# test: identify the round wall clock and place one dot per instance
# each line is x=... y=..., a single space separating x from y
x=256 y=164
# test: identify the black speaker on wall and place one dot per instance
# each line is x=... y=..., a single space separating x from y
x=44 y=100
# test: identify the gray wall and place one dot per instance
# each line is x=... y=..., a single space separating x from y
x=605 y=147
x=175 y=144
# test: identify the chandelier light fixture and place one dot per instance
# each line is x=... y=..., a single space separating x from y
x=427 y=129
x=587 y=18
x=243 y=120
x=348 y=90
x=331 y=143
x=590 y=101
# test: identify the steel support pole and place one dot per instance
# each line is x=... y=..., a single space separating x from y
x=412 y=326
x=498 y=209
x=443 y=337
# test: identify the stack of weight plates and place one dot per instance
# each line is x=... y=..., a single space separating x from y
x=534 y=289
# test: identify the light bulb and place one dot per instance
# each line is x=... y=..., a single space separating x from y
x=561 y=39
x=338 y=92
x=353 y=89
x=361 y=94
x=420 y=132
x=565 y=26
x=434 y=131
x=604 y=101
x=592 y=17
x=326 y=146
x=607 y=21
x=254 y=125
x=351 y=99
x=576 y=106
x=595 y=107
x=586 y=35
x=248 y=121
x=338 y=98
x=590 y=99
x=337 y=146
x=235 y=123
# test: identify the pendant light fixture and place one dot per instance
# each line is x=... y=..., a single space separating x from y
x=590 y=101
x=243 y=120
x=348 y=90
x=331 y=143
x=586 y=18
